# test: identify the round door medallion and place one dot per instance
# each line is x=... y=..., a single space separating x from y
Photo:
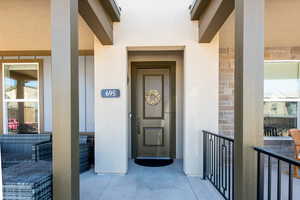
x=152 y=97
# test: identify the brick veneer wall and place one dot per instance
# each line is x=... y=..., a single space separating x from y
x=226 y=81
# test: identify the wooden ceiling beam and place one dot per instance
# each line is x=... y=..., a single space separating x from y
x=112 y=9
x=212 y=15
x=100 y=15
x=198 y=8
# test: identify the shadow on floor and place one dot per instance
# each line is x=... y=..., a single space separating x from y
x=146 y=183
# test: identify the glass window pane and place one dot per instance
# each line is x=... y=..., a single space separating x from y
x=282 y=80
x=282 y=89
x=280 y=109
x=280 y=116
x=281 y=70
x=22 y=117
x=21 y=81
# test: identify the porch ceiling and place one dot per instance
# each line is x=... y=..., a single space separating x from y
x=27 y=25
x=281 y=25
x=281 y=22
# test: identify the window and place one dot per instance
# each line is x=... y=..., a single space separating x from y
x=281 y=94
x=282 y=81
x=280 y=109
x=21 y=97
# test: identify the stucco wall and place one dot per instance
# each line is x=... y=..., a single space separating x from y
x=86 y=91
x=144 y=23
x=226 y=82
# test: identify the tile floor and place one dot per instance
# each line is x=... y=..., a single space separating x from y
x=146 y=183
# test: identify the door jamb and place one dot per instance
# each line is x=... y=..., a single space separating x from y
x=150 y=65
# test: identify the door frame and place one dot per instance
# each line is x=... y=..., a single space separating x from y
x=171 y=65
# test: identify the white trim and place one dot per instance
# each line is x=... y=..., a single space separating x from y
x=298 y=115
x=278 y=138
x=21 y=100
x=1 y=178
x=282 y=61
x=5 y=101
x=281 y=100
x=5 y=120
x=155 y=48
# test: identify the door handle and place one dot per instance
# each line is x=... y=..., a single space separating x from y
x=138 y=131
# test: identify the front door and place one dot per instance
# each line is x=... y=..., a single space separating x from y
x=152 y=114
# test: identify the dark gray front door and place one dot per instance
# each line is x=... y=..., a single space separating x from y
x=152 y=116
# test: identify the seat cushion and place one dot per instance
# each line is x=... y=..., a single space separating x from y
x=15 y=157
x=28 y=180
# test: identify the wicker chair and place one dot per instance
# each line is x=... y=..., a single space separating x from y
x=295 y=134
x=18 y=148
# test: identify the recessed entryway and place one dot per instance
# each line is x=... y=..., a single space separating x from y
x=156 y=104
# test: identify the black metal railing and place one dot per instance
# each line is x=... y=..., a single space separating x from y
x=218 y=157
x=281 y=169
x=274 y=131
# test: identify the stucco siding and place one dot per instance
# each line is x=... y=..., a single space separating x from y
x=145 y=24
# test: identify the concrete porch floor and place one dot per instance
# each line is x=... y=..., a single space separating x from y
x=146 y=183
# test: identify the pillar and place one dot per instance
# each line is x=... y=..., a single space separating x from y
x=249 y=77
x=64 y=15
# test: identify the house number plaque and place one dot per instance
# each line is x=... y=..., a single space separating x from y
x=110 y=93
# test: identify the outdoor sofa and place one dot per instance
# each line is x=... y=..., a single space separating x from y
x=28 y=180
x=27 y=166
x=35 y=147
x=18 y=148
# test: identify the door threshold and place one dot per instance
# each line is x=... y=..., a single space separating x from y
x=156 y=158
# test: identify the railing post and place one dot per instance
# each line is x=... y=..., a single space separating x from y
x=218 y=164
x=233 y=193
x=204 y=154
x=260 y=176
